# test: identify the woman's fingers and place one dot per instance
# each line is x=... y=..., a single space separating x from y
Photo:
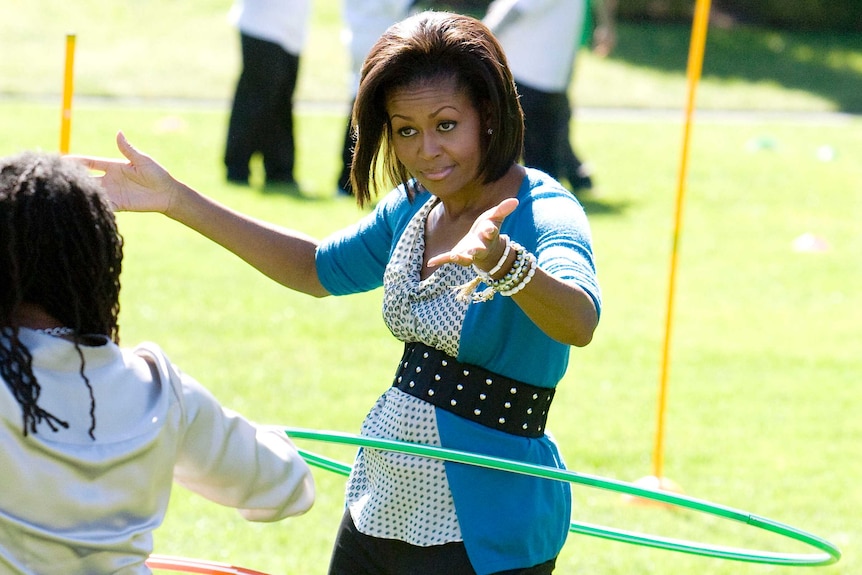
x=136 y=183
x=481 y=238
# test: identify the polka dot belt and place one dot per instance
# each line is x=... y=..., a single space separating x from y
x=472 y=392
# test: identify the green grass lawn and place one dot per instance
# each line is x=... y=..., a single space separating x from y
x=763 y=412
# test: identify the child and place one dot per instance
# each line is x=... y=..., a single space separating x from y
x=94 y=434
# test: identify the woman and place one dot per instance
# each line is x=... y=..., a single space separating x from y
x=543 y=71
x=438 y=116
x=94 y=435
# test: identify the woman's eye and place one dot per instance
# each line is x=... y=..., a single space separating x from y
x=406 y=132
x=447 y=126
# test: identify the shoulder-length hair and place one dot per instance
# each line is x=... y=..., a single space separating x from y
x=60 y=250
x=434 y=46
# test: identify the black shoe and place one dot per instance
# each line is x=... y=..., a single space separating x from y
x=287 y=187
x=238 y=181
x=580 y=179
x=237 y=177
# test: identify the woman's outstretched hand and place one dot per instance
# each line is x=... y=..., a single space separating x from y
x=138 y=185
x=482 y=242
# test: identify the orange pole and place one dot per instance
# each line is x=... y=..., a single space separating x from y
x=695 y=65
x=66 y=117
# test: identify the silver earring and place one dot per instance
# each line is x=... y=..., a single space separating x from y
x=490 y=131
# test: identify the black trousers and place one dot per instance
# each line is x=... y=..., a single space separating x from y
x=358 y=554
x=261 y=118
x=546 y=132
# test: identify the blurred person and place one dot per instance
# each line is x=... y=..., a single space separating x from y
x=272 y=36
x=365 y=21
x=94 y=435
x=475 y=8
x=488 y=279
x=541 y=39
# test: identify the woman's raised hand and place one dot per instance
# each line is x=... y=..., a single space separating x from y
x=138 y=185
x=482 y=242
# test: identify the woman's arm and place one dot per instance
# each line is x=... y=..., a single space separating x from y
x=141 y=184
x=561 y=309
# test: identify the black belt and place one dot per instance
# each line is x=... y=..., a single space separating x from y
x=473 y=392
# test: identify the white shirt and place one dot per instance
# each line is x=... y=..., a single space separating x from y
x=366 y=21
x=73 y=505
x=540 y=38
x=284 y=22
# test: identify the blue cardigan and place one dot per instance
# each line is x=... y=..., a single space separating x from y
x=507 y=520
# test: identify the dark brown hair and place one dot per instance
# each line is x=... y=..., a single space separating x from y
x=60 y=250
x=433 y=46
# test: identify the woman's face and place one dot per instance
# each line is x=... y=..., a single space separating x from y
x=436 y=134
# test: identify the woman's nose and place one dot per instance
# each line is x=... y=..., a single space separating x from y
x=429 y=146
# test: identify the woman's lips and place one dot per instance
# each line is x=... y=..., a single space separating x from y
x=437 y=174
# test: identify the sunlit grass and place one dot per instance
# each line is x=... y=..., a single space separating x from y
x=763 y=412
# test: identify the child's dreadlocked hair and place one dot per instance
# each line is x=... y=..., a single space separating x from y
x=60 y=250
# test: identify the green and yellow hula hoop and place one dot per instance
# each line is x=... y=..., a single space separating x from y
x=831 y=554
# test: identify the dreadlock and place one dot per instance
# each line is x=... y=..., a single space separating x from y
x=59 y=249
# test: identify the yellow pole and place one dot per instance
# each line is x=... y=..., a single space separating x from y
x=66 y=118
x=695 y=65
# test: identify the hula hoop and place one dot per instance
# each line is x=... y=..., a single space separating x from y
x=186 y=565
x=832 y=553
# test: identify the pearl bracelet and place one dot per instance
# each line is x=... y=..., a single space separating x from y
x=531 y=271
x=519 y=275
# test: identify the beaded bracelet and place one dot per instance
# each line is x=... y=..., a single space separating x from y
x=488 y=274
x=467 y=294
x=518 y=276
x=513 y=275
x=527 y=278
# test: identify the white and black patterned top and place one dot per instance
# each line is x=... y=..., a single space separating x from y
x=402 y=496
